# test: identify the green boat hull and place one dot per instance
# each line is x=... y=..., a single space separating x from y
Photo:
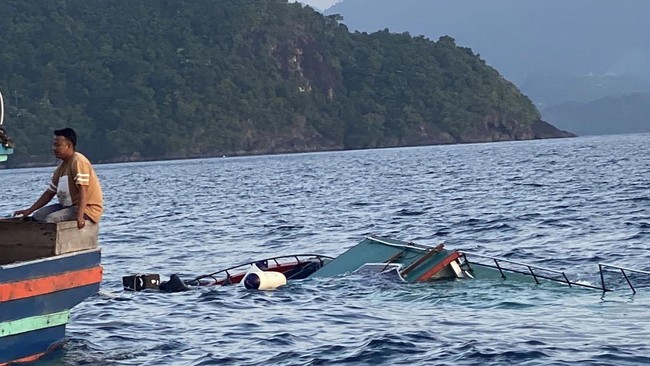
x=420 y=263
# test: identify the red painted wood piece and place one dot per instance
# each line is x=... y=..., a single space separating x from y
x=31 y=358
x=438 y=267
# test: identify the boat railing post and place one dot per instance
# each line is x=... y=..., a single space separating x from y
x=628 y=281
x=532 y=273
x=466 y=261
x=496 y=262
x=602 y=277
x=566 y=279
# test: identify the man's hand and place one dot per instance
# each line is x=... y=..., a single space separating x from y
x=81 y=222
x=42 y=201
x=23 y=213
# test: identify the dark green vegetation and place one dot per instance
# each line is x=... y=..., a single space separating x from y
x=524 y=39
x=555 y=51
x=189 y=78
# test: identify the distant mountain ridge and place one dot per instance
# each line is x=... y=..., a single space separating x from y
x=549 y=90
x=624 y=114
x=556 y=51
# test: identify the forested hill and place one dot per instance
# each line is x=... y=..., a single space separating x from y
x=557 y=52
x=187 y=78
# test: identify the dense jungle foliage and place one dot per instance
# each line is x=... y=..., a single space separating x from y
x=188 y=78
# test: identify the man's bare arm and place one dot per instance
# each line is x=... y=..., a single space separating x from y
x=40 y=202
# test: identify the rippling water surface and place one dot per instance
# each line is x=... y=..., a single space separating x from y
x=566 y=204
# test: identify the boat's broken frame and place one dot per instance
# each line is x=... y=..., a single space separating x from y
x=602 y=267
x=505 y=268
x=283 y=264
x=413 y=263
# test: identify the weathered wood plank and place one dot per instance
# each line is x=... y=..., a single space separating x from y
x=22 y=240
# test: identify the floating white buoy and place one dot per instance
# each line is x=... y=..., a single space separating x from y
x=256 y=279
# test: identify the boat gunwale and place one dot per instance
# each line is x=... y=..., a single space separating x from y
x=321 y=258
x=530 y=273
x=46 y=259
x=406 y=245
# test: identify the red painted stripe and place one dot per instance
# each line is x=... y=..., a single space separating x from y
x=25 y=359
x=421 y=260
x=45 y=285
x=442 y=264
x=34 y=357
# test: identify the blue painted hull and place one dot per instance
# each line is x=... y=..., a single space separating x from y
x=29 y=344
x=17 y=307
x=45 y=304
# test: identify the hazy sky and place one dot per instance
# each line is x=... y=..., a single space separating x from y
x=320 y=4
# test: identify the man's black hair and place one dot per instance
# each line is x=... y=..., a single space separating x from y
x=69 y=134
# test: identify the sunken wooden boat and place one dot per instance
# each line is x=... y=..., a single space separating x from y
x=292 y=267
x=45 y=270
x=412 y=262
x=407 y=261
x=421 y=263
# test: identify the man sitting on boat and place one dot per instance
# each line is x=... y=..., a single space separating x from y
x=74 y=182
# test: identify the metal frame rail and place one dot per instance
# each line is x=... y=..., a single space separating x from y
x=2 y=110
x=274 y=259
x=531 y=270
x=602 y=266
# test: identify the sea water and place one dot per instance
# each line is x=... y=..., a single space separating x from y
x=565 y=204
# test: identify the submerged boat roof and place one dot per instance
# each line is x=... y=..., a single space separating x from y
x=416 y=260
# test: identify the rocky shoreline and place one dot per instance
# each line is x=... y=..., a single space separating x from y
x=490 y=132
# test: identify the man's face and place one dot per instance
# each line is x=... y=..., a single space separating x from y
x=62 y=147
